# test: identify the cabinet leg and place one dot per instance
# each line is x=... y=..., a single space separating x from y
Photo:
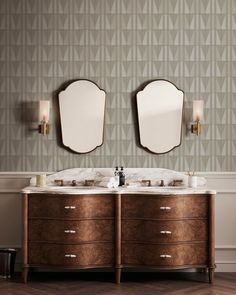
x=25 y=274
x=118 y=275
x=211 y=275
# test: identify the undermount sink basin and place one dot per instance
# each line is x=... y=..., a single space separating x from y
x=173 y=187
x=67 y=187
x=162 y=187
x=140 y=189
x=158 y=189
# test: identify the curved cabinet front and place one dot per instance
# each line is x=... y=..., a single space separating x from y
x=167 y=231
x=71 y=207
x=165 y=255
x=164 y=207
x=71 y=231
x=161 y=231
x=84 y=255
x=68 y=231
x=118 y=230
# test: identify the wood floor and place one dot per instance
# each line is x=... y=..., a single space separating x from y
x=132 y=284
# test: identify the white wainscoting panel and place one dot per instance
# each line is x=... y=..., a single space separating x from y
x=225 y=209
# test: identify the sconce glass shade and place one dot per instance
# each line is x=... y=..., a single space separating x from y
x=44 y=109
x=197 y=110
x=196 y=127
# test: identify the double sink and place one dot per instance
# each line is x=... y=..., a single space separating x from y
x=94 y=189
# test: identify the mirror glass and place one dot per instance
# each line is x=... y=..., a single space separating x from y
x=82 y=107
x=160 y=106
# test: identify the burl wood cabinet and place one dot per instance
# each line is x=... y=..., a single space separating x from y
x=68 y=231
x=118 y=231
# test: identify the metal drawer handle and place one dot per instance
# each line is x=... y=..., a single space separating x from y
x=69 y=231
x=165 y=256
x=70 y=255
x=165 y=208
x=69 y=207
x=165 y=232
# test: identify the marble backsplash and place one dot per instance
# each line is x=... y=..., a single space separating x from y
x=155 y=175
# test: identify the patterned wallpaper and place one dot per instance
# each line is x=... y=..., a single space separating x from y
x=118 y=44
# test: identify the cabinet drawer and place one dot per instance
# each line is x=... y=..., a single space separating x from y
x=164 y=255
x=71 y=231
x=100 y=254
x=161 y=231
x=164 y=207
x=74 y=207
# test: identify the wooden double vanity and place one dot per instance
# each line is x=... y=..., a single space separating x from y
x=118 y=229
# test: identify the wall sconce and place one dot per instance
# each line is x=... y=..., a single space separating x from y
x=44 y=109
x=197 y=117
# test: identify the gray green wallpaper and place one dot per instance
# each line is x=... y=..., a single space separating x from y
x=120 y=45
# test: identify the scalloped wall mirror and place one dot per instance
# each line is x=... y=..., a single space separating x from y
x=160 y=108
x=82 y=109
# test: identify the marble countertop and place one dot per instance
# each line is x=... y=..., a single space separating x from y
x=132 y=176
x=70 y=190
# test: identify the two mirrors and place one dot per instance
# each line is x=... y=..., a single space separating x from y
x=159 y=108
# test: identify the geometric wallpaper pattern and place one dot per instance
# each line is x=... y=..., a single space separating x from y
x=120 y=45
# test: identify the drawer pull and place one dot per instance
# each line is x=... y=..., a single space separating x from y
x=165 y=232
x=70 y=255
x=165 y=256
x=165 y=208
x=69 y=231
x=69 y=207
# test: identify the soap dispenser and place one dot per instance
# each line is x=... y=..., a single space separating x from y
x=122 y=176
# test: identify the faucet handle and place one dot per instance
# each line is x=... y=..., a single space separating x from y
x=73 y=183
x=60 y=182
x=146 y=182
x=177 y=182
x=89 y=182
x=162 y=183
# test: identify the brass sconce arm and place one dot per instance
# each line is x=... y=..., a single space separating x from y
x=43 y=128
x=196 y=127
